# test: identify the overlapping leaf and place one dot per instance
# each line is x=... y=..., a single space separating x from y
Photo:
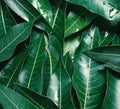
x=31 y=75
x=77 y=19
x=43 y=6
x=12 y=100
x=6 y=19
x=60 y=86
x=38 y=100
x=9 y=74
x=23 y=8
x=88 y=79
x=112 y=97
x=14 y=36
x=105 y=8
x=107 y=54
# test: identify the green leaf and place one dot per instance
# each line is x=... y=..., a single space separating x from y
x=43 y=6
x=12 y=100
x=9 y=74
x=38 y=100
x=112 y=98
x=68 y=64
x=23 y=8
x=105 y=8
x=14 y=36
x=31 y=74
x=77 y=19
x=71 y=45
x=6 y=19
x=88 y=78
x=106 y=54
x=60 y=87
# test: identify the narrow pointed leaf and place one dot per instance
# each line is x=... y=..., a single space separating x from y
x=6 y=19
x=38 y=100
x=107 y=54
x=112 y=97
x=9 y=74
x=77 y=19
x=12 y=100
x=31 y=75
x=14 y=36
x=105 y=8
x=88 y=78
x=60 y=86
x=43 y=6
x=23 y=8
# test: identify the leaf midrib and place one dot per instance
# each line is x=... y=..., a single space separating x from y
x=3 y=21
x=3 y=49
x=9 y=100
x=34 y=63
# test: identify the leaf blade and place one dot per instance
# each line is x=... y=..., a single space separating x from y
x=16 y=34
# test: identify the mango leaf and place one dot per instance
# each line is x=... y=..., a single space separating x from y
x=106 y=54
x=106 y=38
x=71 y=45
x=31 y=74
x=60 y=86
x=12 y=100
x=14 y=36
x=105 y=8
x=88 y=78
x=43 y=6
x=9 y=74
x=6 y=19
x=112 y=98
x=77 y=19
x=68 y=64
x=35 y=98
x=23 y=8
x=116 y=41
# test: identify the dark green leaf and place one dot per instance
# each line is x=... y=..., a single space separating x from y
x=105 y=8
x=112 y=97
x=71 y=45
x=77 y=19
x=12 y=100
x=35 y=98
x=31 y=75
x=23 y=8
x=68 y=64
x=60 y=86
x=107 y=54
x=88 y=78
x=43 y=6
x=9 y=74
x=6 y=19
x=14 y=36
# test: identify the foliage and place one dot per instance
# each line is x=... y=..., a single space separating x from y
x=59 y=54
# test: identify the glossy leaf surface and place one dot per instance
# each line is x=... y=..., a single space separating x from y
x=60 y=86
x=112 y=98
x=9 y=74
x=88 y=79
x=77 y=19
x=23 y=8
x=31 y=74
x=6 y=19
x=14 y=36
x=13 y=100
x=105 y=8
x=43 y=6
x=107 y=54
x=38 y=100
